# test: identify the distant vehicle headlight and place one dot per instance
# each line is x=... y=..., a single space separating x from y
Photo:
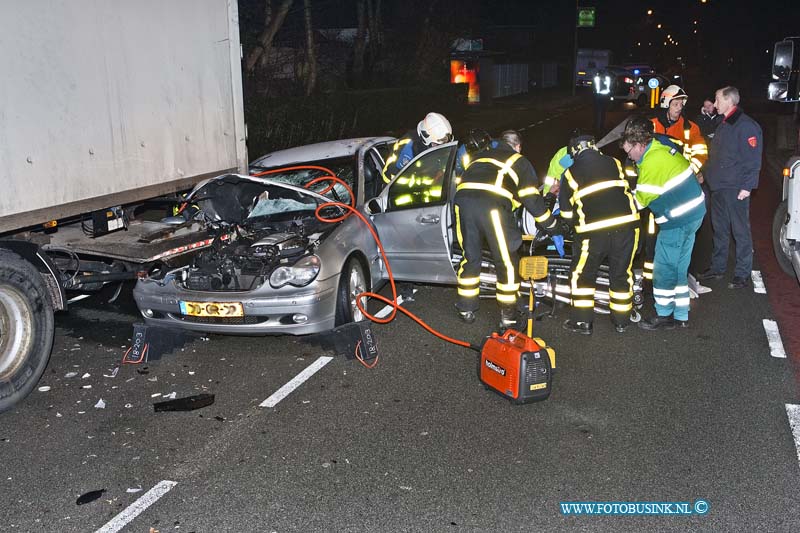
x=300 y=274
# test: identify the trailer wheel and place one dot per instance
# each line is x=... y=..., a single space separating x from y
x=26 y=328
x=782 y=245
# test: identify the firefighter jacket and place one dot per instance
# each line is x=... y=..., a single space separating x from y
x=404 y=150
x=686 y=134
x=595 y=196
x=736 y=146
x=668 y=186
x=508 y=177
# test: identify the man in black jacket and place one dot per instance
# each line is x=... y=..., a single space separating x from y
x=596 y=198
x=731 y=173
x=708 y=120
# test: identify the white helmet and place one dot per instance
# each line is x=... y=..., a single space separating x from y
x=434 y=129
x=673 y=92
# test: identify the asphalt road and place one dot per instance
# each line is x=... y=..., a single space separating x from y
x=416 y=443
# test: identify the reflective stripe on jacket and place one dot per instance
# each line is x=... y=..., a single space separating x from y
x=688 y=135
x=595 y=195
x=503 y=172
x=668 y=186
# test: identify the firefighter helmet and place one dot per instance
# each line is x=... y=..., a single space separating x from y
x=434 y=129
x=477 y=140
x=673 y=92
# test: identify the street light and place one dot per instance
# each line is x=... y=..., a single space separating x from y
x=659 y=26
x=649 y=11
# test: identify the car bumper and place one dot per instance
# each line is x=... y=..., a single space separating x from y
x=312 y=310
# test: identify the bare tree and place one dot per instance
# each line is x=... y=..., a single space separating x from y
x=311 y=54
x=359 y=46
x=375 y=28
x=260 y=54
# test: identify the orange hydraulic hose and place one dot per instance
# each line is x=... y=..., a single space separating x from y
x=351 y=210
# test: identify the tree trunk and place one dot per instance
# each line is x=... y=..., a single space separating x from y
x=375 y=29
x=359 y=46
x=311 y=55
x=425 y=43
x=260 y=54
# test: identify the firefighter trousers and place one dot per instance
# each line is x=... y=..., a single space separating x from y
x=590 y=250
x=482 y=220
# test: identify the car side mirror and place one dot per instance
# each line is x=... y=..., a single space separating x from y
x=374 y=206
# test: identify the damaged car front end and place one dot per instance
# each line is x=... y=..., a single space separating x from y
x=272 y=267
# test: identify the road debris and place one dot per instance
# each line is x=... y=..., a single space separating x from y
x=100 y=404
x=189 y=403
x=89 y=496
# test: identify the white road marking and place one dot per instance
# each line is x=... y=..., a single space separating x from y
x=136 y=508
x=774 y=338
x=298 y=380
x=388 y=309
x=78 y=298
x=793 y=412
x=758 y=282
x=533 y=125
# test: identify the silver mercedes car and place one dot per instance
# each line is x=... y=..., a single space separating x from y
x=270 y=266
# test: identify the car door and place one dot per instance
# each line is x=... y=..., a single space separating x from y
x=415 y=221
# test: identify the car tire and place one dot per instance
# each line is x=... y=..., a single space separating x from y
x=26 y=328
x=780 y=244
x=353 y=281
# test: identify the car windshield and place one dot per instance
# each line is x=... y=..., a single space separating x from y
x=343 y=168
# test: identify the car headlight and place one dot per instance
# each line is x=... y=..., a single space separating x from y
x=300 y=274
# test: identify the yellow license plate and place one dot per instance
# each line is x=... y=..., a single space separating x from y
x=218 y=309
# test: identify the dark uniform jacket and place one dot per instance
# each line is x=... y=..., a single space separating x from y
x=508 y=180
x=708 y=124
x=736 y=154
x=595 y=196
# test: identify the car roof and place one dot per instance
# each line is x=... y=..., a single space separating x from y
x=317 y=151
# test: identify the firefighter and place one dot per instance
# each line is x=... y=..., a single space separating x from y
x=477 y=140
x=431 y=131
x=668 y=185
x=687 y=135
x=497 y=181
x=596 y=198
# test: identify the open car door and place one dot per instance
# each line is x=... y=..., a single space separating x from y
x=415 y=218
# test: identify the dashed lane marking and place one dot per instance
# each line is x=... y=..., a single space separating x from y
x=298 y=380
x=758 y=282
x=793 y=412
x=136 y=508
x=774 y=338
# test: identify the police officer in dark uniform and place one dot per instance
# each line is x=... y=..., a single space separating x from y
x=497 y=181
x=596 y=198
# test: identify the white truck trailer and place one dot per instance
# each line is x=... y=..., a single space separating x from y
x=786 y=222
x=103 y=106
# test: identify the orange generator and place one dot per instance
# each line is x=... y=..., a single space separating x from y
x=517 y=366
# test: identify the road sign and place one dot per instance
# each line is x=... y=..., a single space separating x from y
x=652 y=83
x=586 y=17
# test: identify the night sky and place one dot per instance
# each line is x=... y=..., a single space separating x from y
x=730 y=40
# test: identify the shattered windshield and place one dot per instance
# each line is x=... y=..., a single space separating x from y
x=266 y=205
x=343 y=168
